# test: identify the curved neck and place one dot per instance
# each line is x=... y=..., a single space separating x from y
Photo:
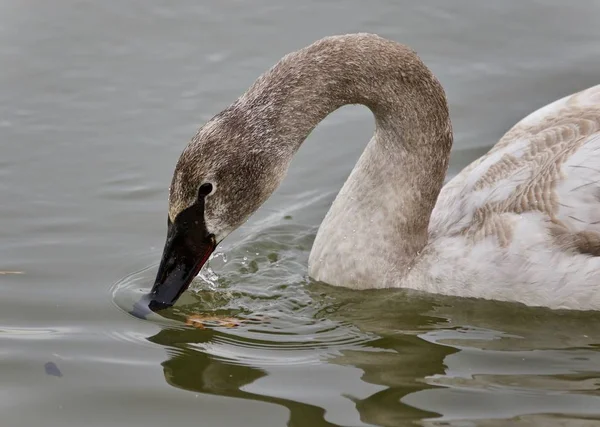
x=388 y=198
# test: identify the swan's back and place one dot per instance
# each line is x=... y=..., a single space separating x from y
x=527 y=214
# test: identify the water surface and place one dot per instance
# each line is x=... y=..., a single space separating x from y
x=97 y=100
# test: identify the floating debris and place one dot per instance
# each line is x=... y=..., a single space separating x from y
x=201 y=321
x=52 y=369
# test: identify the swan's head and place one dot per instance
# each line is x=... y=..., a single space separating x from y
x=225 y=173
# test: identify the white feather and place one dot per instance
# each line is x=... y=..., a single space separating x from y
x=552 y=183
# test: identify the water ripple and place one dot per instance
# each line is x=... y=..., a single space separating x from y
x=257 y=310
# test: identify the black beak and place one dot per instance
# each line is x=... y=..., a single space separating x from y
x=187 y=249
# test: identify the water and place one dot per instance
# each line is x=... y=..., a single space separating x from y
x=97 y=100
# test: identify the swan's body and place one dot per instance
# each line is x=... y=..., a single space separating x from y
x=521 y=224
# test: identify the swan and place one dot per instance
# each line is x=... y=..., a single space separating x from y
x=520 y=224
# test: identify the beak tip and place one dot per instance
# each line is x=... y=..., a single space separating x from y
x=141 y=308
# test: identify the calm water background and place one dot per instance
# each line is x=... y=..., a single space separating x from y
x=97 y=100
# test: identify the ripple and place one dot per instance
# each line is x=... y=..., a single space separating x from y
x=129 y=291
x=262 y=285
x=34 y=333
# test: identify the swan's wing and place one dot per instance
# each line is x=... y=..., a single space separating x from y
x=522 y=223
x=548 y=163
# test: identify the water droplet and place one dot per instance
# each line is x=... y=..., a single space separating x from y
x=208 y=276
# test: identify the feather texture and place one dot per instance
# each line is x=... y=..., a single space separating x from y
x=522 y=223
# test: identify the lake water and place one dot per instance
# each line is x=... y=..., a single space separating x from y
x=98 y=99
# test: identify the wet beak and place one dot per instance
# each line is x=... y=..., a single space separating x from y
x=186 y=250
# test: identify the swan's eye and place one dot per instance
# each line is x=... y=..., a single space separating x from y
x=205 y=190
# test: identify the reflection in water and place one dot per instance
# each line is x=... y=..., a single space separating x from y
x=427 y=366
x=397 y=360
x=381 y=357
x=197 y=371
x=501 y=360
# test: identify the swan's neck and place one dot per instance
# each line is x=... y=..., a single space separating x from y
x=379 y=220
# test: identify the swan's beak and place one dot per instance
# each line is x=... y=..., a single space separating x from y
x=187 y=249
